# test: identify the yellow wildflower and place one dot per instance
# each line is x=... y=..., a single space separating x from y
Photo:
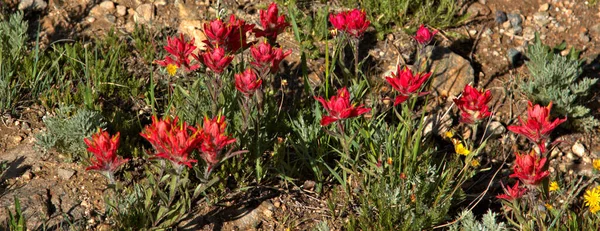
x=548 y=206
x=475 y=163
x=461 y=149
x=592 y=199
x=449 y=134
x=171 y=69
x=554 y=186
x=596 y=164
x=389 y=160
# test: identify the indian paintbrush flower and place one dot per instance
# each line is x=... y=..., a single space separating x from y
x=179 y=55
x=473 y=105
x=537 y=127
x=214 y=140
x=247 y=82
x=339 y=107
x=273 y=23
x=104 y=147
x=215 y=59
x=406 y=83
x=353 y=22
x=267 y=58
x=424 y=35
x=172 y=141
x=239 y=35
x=216 y=32
x=512 y=193
x=529 y=168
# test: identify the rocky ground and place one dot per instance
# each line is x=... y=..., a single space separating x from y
x=484 y=50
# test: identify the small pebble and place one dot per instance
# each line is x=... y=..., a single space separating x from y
x=515 y=19
x=500 y=17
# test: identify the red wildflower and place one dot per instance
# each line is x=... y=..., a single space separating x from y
x=352 y=22
x=537 y=127
x=104 y=149
x=512 y=193
x=473 y=105
x=215 y=59
x=217 y=32
x=406 y=83
x=214 y=140
x=238 y=36
x=273 y=23
x=172 y=141
x=179 y=53
x=424 y=35
x=247 y=82
x=339 y=107
x=528 y=168
x=267 y=57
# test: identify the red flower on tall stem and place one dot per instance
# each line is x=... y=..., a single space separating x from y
x=513 y=193
x=424 y=35
x=215 y=59
x=529 y=168
x=353 y=22
x=473 y=105
x=214 y=140
x=239 y=35
x=406 y=83
x=179 y=53
x=217 y=33
x=273 y=23
x=172 y=141
x=537 y=127
x=267 y=58
x=339 y=107
x=104 y=147
x=247 y=82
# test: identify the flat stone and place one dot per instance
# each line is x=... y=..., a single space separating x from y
x=144 y=13
x=108 y=6
x=544 y=7
x=452 y=72
x=541 y=18
x=515 y=19
x=65 y=174
x=121 y=10
x=495 y=129
x=578 y=149
x=478 y=9
x=193 y=28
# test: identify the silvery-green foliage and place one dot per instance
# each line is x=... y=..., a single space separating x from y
x=469 y=223
x=13 y=36
x=65 y=131
x=559 y=80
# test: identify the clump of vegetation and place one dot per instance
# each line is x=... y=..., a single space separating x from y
x=467 y=222
x=559 y=80
x=13 y=36
x=65 y=131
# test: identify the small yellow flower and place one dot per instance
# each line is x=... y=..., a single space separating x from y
x=548 y=206
x=461 y=149
x=475 y=163
x=596 y=164
x=592 y=199
x=171 y=69
x=449 y=134
x=389 y=161
x=554 y=186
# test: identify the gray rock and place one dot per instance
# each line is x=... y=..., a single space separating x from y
x=110 y=18
x=514 y=56
x=500 y=17
x=583 y=37
x=452 y=72
x=495 y=129
x=144 y=13
x=517 y=30
x=35 y=5
x=528 y=33
x=65 y=174
x=578 y=149
x=478 y=9
x=515 y=19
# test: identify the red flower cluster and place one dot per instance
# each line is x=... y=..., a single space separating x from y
x=406 y=83
x=267 y=58
x=247 y=82
x=179 y=53
x=214 y=140
x=339 y=107
x=512 y=193
x=104 y=149
x=172 y=141
x=353 y=22
x=537 y=127
x=529 y=169
x=424 y=35
x=230 y=35
x=473 y=105
x=215 y=59
x=273 y=23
